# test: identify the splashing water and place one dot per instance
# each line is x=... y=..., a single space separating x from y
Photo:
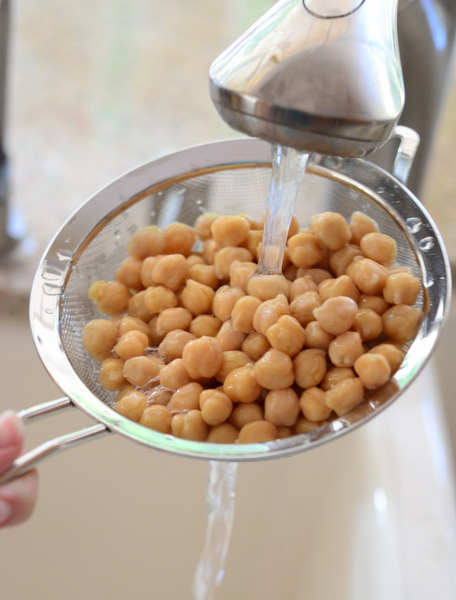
x=220 y=502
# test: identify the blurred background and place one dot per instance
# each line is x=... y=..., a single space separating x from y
x=97 y=88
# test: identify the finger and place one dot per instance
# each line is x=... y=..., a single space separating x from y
x=18 y=499
x=11 y=439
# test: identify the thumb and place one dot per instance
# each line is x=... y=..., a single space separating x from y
x=11 y=439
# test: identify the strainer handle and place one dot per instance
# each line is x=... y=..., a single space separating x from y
x=30 y=459
x=408 y=145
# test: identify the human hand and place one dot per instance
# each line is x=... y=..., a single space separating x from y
x=17 y=497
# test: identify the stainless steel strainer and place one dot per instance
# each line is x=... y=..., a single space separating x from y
x=224 y=177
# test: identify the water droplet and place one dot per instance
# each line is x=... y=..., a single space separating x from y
x=426 y=244
x=51 y=289
x=65 y=255
x=429 y=281
x=413 y=224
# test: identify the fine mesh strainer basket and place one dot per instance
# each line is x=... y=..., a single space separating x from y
x=223 y=177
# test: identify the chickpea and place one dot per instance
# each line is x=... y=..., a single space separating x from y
x=304 y=426
x=373 y=369
x=173 y=344
x=360 y=225
x=304 y=249
x=203 y=357
x=240 y=384
x=142 y=371
x=287 y=335
x=379 y=247
x=99 y=337
x=284 y=432
x=210 y=249
x=195 y=259
x=300 y=285
x=189 y=426
x=147 y=241
x=345 y=349
x=173 y=318
x=255 y=345
x=294 y=227
x=131 y=405
x=229 y=338
x=316 y=336
x=128 y=323
x=111 y=376
x=253 y=241
x=330 y=229
x=147 y=270
x=243 y=312
x=246 y=413
x=179 y=239
x=205 y=325
x=341 y=286
x=137 y=307
x=133 y=343
x=291 y=272
x=368 y=275
x=185 y=398
x=157 y=417
x=345 y=395
x=269 y=312
x=303 y=306
x=401 y=322
x=224 y=300
x=281 y=407
x=266 y=287
x=204 y=274
x=313 y=406
x=392 y=353
x=225 y=257
x=155 y=337
x=215 y=407
x=197 y=297
x=368 y=324
x=336 y=315
x=309 y=367
x=111 y=297
x=158 y=395
x=274 y=370
x=341 y=258
x=230 y=230
x=375 y=303
x=157 y=298
x=203 y=225
x=334 y=375
x=225 y=433
x=401 y=288
x=129 y=273
x=316 y=274
x=257 y=432
x=240 y=273
x=174 y=375
x=232 y=359
x=171 y=271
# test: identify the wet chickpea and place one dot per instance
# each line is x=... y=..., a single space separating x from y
x=155 y=337
x=291 y=272
x=316 y=336
x=243 y=312
x=274 y=370
x=375 y=303
x=312 y=404
x=244 y=413
x=195 y=259
x=341 y=258
x=340 y=286
x=331 y=229
x=203 y=225
x=226 y=256
x=111 y=297
x=210 y=249
x=255 y=345
x=129 y=273
x=197 y=297
x=229 y=338
x=401 y=288
x=232 y=359
x=173 y=318
x=99 y=337
x=147 y=241
x=158 y=297
x=266 y=287
x=269 y=312
x=147 y=269
x=133 y=343
x=179 y=239
x=240 y=273
x=142 y=371
x=185 y=398
x=174 y=375
x=373 y=369
x=309 y=367
x=137 y=307
x=111 y=376
x=128 y=323
x=361 y=225
x=294 y=227
x=336 y=315
x=303 y=306
x=401 y=322
x=287 y=335
x=345 y=395
x=257 y=432
x=204 y=274
x=158 y=395
x=344 y=350
x=305 y=250
x=131 y=405
x=334 y=375
x=157 y=417
x=205 y=325
x=203 y=357
x=392 y=353
x=240 y=384
x=171 y=271
x=368 y=275
x=215 y=406
x=224 y=300
x=225 y=433
x=173 y=344
x=379 y=247
x=300 y=285
x=317 y=274
x=281 y=407
x=368 y=324
x=253 y=241
x=230 y=230
x=189 y=426
x=304 y=425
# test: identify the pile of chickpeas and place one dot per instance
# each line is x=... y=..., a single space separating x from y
x=198 y=344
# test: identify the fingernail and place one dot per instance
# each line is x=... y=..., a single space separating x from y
x=5 y=511
x=10 y=428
